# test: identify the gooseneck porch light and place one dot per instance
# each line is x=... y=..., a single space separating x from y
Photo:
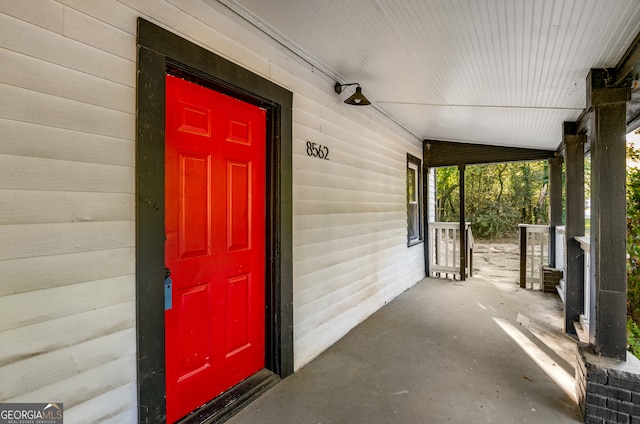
x=357 y=98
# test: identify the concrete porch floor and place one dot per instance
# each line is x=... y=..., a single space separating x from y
x=479 y=351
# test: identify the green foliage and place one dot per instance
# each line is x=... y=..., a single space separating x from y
x=633 y=192
x=495 y=220
x=633 y=252
x=633 y=268
x=587 y=176
x=448 y=194
x=498 y=197
x=633 y=336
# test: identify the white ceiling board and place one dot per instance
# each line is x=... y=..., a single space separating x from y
x=478 y=124
x=505 y=72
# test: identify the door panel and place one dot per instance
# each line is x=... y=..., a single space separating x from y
x=194 y=343
x=215 y=243
x=239 y=192
x=238 y=300
x=195 y=204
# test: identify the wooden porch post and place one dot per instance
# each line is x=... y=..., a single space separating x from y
x=555 y=204
x=574 y=266
x=427 y=235
x=608 y=212
x=523 y=255
x=463 y=233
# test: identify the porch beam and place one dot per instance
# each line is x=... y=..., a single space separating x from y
x=583 y=122
x=574 y=255
x=629 y=63
x=555 y=204
x=439 y=153
x=608 y=213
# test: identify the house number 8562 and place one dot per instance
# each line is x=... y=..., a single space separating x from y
x=317 y=150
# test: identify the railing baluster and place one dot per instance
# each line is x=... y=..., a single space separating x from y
x=585 y=318
x=560 y=259
x=444 y=255
x=536 y=250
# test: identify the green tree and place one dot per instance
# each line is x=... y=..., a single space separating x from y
x=448 y=195
x=633 y=239
x=633 y=248
x=498 y=196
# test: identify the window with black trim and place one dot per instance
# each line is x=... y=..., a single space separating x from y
x=414 y=200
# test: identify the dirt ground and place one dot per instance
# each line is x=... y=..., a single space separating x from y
x=498 y=260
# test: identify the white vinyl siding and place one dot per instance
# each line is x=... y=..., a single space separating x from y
x=350 y=224
x=67 y=292
x=67 y=198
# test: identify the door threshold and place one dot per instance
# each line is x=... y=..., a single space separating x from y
x=233 y=400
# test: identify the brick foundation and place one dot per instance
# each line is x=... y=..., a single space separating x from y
x=608 y=390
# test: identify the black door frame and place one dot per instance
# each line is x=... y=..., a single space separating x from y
x=161 y=52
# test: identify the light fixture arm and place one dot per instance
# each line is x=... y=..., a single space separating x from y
x=338 y=86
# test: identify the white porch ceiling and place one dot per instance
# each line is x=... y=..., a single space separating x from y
x=501 y=72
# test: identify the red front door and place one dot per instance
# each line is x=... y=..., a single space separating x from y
x=215 y=243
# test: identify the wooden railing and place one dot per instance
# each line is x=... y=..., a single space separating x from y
x=444 y=250
x=560 y=258
x=585 y=317
x=534 y=253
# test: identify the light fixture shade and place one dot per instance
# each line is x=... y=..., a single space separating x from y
x=357 y=98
